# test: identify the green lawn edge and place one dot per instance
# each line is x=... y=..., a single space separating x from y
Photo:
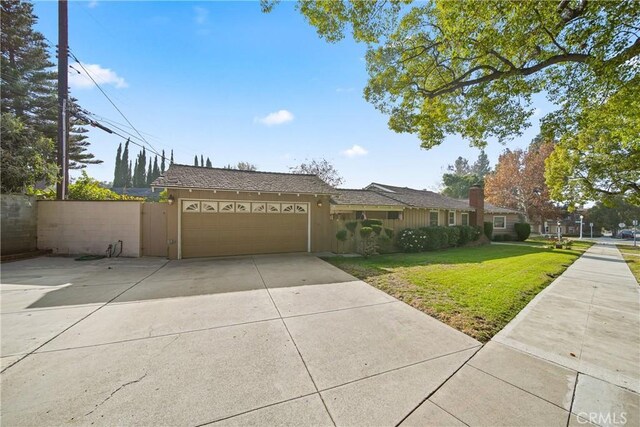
x=476 y=290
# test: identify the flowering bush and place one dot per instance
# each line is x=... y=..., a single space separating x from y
x=410 y=240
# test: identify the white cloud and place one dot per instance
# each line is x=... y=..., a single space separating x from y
x=355 y=151
x=275 y=118
x=78 y=79
x=201 y=15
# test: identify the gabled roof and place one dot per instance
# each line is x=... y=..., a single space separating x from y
x=184 y=176
x=419 y=198
x=347 y=196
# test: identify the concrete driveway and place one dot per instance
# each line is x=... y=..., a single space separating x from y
x=286 y=340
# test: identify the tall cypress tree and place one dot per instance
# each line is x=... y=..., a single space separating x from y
x=136 y=173
x=209 y=165
x=125 y=167
x=195 y=160
x=128 y=182
x=149 y=179
x=162 y=169
x=171 y=157
x=201 y=161
x=156 y=169
x=117 y=173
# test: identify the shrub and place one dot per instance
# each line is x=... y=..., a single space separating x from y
x=477 y=232
x=467 y=234
x=453 y=236
x=507 y=237
x=497 y=238
x=371 y=222
x=341 y=235
x=376 y=229
x=488 y=229
x=523 y=231
x=410 y=240
x=389 y=232
x=351 y=226
x=365 y=232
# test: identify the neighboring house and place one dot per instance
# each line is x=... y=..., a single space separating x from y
x=411 y=208
x=569 y=225
x=220 y=212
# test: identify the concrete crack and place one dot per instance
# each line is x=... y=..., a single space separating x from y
x=114 y=392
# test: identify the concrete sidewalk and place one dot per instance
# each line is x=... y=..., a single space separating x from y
x=571 y=357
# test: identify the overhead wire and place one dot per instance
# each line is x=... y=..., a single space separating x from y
x=75 y=58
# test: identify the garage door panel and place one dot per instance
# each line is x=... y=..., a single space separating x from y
x=220 y=234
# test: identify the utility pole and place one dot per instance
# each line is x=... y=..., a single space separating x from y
x=63 y=98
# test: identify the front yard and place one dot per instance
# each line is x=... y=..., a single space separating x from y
x=476 y=290
x=631 y=255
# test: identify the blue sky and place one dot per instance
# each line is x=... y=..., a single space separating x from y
x=227 y=81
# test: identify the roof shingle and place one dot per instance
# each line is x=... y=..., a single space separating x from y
x=184 y=176
x=363 y=197
x=420 y=198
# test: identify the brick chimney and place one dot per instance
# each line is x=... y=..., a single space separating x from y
x=476 y=201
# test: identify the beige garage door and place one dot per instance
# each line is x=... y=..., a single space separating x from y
x=222 y=228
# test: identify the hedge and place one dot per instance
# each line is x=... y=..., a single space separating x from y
x=435 y=237
x=523 y=230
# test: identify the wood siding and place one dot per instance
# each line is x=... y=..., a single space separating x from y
x=154 y=229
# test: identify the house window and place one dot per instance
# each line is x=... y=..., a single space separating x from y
x=500 y=222
x=393 y=215
x=433 y=218
x=464 y=218
x=452 y=217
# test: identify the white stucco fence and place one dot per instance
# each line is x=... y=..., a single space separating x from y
x=72 y=227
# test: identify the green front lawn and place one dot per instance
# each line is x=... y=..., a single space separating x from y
x=476 y=290
x=631 y=255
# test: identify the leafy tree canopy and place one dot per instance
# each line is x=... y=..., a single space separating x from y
x=462 y=176
x=616 y=211
x=470 y=68
x=242 y=166
x=85 y=188
x=320 y=167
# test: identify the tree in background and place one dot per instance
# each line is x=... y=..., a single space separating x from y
x=461 y=176
x=171 y=162
x=117 y=172
x=25 y=154
x=209 y=165
x=616 y=211
x=242 y=166
x=201 y=161
x=195 y=160
x=471 y=68
x=320 y=167
x=518 y=182
x=29 y=87
x=162 y=163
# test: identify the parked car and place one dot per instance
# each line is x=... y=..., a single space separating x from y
x=625 y=234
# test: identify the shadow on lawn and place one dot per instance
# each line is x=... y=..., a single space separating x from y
x=383 y=264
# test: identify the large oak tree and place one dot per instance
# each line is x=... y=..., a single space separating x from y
x=471 y=67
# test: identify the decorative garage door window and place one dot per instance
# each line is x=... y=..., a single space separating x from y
x=273 y=207
x=227 y=207
x=210 y=207
x=288 y=207
x=190 y=206
x=258 y=207
x=243 y=207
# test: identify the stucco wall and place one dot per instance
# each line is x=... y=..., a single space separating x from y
x=18 y=217
x=71 y=227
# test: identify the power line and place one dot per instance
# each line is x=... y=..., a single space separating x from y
x=110 y=101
